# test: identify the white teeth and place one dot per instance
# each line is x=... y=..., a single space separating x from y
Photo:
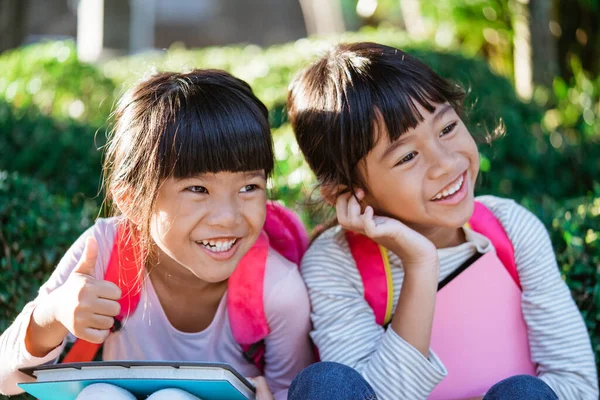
x=218 y=246
x=450 y=191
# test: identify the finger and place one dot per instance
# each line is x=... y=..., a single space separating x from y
x=354 y=212
x=101 y=322
x=95 y=335
x=262 y=388
x=369 y=222
x=341 y=208
x=110 y=308
x=87 y=264
x=107 y=290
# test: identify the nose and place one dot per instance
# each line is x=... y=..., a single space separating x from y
x=443 y=161
x=223 y=212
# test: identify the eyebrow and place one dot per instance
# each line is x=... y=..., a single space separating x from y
x=393 y=146
x=440 y=112
x=255 y=174
x=205 y=175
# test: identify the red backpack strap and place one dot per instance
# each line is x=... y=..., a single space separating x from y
x=124 y=271
x=245 y=305
x=485 y=222
x=373 y=265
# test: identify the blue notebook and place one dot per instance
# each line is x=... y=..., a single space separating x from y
x=208 y=381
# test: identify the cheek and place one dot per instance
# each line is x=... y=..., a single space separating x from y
x=473 y=154
x=254 y=211
x=396 y=190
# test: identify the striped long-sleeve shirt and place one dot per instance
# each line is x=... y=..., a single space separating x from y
x=345 y=330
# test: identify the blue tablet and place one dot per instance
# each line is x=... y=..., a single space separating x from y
x=208 y=381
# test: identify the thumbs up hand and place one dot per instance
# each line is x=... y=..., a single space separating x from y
x=86 y=305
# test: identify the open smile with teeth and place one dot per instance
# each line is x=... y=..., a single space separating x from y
x=449 y=191
x=218 y=245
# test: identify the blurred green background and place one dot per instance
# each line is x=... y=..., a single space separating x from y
x=532 y=71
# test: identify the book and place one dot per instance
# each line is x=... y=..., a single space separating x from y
x=479 y=331
x=208 y=381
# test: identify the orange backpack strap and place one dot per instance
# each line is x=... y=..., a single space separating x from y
x=485 y=222
x=373 y=264
x=374 y=267
x=124 y=271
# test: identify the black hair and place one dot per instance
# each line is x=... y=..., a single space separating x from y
x=336 y=104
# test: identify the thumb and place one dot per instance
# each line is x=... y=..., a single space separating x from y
x=87 y=264
x=262 y=388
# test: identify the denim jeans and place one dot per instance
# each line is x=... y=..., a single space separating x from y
x=331 y=381
x=521 y=387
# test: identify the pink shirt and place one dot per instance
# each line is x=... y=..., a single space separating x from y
x=148 y=334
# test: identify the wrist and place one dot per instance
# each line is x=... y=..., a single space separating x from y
x=44 y=332
x=426 y=268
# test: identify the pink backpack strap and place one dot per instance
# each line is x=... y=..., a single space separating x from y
x=123 y=270
x=373 y=264
x=485 y=222
x=374 y=267
x=245 y=305
x=285 y=233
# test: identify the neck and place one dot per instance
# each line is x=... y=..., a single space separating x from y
x=175 y=277
x=443 y=237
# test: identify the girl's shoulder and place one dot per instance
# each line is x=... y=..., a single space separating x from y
x=284 y=288
x=329 y=259
x=524 y=229
x=332 y=239
x=104 y=231
x=511 y=214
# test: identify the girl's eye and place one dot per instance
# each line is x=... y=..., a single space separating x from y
x=407 y=158
x=248 y=188
x=197 y=189
x=448 y=129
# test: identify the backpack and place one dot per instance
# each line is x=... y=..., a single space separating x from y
x=499 y=346
x=283 y=231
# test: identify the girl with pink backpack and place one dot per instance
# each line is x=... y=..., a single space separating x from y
x=195 y=265
x=421 y=288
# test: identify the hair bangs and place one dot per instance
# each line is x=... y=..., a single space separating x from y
x=198 y=139
x=396 y=97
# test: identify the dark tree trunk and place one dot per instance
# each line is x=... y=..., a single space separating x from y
x=12 y=23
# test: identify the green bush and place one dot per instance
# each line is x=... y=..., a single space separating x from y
x=577 y=240
x=61 y=153
x=37 y=228
x=575 y=232
x=49 y=77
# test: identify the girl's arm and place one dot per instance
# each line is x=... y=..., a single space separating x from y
x=288 y=346
x=345 y=330
x=14 y=353
x=559 y=342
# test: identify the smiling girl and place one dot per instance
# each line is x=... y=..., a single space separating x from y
x=186 y=169
x=383 y=134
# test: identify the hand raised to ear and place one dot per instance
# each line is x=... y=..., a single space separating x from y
x=412 y=247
